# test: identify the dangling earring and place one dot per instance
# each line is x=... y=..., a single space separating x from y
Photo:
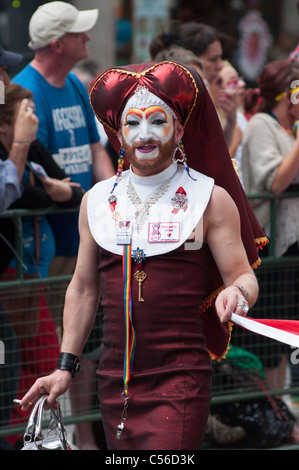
x=180 y=148
x=182 y=159
x=120 y=164
x=119 y=171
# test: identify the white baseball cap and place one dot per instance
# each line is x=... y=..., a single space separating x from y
x=52 y=20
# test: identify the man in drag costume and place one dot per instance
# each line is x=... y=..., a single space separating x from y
x=170 y=243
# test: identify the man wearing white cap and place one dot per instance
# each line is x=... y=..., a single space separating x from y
x=58 y=36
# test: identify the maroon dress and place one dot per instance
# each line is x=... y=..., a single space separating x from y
x=171 y=375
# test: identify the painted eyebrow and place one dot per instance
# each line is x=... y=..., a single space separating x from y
x=135 y=111
x=148 y=111
x=154 y=109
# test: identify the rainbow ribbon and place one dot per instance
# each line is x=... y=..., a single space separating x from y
x=130 y=331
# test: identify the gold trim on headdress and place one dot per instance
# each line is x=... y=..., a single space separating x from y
x=138 y=75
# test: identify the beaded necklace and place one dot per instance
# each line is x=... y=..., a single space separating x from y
x=142 y=209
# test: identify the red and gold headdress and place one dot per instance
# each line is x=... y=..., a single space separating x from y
x=170 y=81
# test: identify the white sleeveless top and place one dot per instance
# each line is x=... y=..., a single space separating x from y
x=165 y=228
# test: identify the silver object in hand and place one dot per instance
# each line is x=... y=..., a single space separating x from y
x=244 y=305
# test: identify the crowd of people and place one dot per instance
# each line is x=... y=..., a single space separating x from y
x=201 y=137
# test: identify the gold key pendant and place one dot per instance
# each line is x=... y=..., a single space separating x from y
x=140 y=277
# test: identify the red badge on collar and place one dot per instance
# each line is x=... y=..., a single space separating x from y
x=179 y=200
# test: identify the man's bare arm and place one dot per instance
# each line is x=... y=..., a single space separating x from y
x=82 y=295
x=222 y=229
x=81 y=303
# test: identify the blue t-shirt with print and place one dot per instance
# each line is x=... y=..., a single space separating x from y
x=67 y=127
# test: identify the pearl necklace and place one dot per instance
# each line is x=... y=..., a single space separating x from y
x=142 y=209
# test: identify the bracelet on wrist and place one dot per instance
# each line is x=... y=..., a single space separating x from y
x=22 y=142
x=68 y=362
x=243 y=291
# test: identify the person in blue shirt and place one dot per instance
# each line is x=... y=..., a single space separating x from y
x=58 y=33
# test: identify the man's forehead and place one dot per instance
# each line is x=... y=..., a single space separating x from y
x=143 y=99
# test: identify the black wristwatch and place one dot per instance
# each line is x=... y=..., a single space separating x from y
x=69 y=362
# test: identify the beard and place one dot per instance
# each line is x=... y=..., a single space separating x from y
x=151 y=165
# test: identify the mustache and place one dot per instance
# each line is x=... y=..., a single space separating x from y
x=146 y=142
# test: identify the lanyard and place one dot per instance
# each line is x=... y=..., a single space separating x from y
x=130 y=331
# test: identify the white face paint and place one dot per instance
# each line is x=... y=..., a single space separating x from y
x=146 y=130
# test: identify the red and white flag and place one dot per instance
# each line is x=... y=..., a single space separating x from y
x=285 y=331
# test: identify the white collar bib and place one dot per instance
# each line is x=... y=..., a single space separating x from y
x=178 y=225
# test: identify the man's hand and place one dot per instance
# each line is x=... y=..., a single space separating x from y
x=227 y=303
x=53 y=385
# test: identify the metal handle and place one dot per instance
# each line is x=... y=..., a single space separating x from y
x=38 y=426
x=30 y=430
